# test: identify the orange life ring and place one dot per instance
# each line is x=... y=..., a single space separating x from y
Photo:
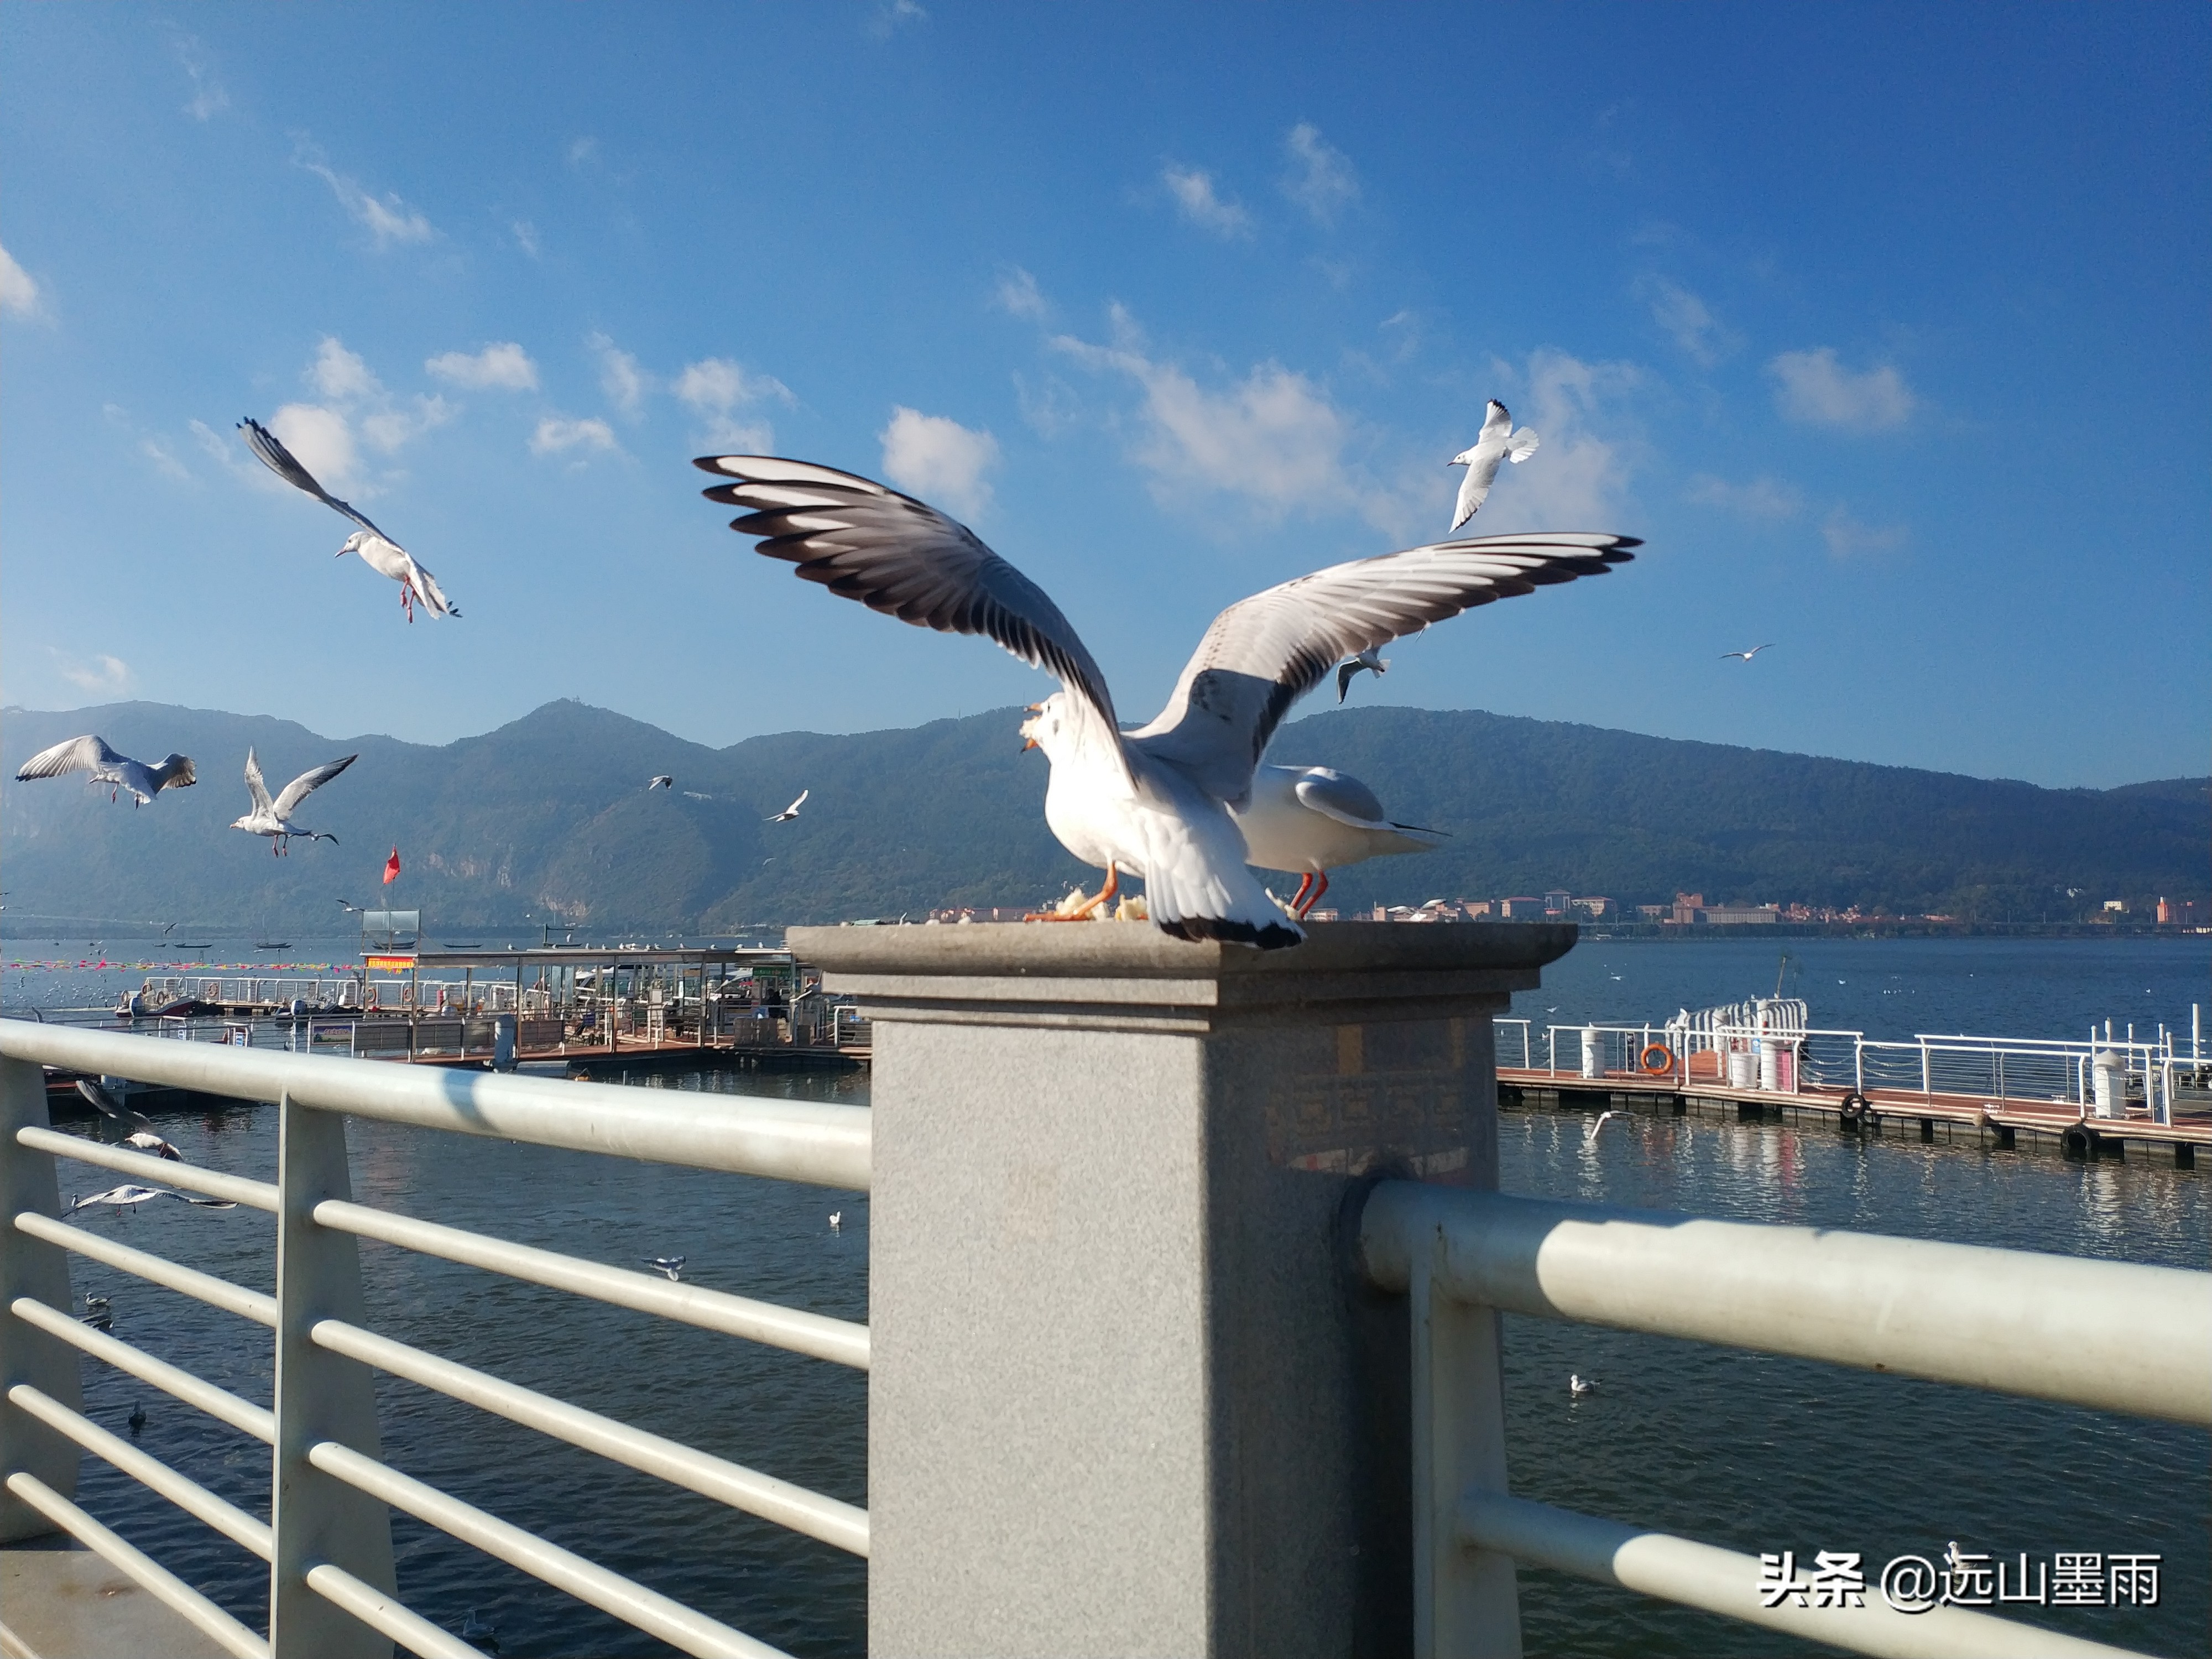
x=1666 y=1059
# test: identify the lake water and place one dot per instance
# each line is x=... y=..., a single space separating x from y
x=1756 y=1452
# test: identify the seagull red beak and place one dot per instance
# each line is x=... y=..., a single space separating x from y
x=1029 y=746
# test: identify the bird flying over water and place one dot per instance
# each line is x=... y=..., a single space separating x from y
x=670 y=1264
x=130 y=1197
x=118 y=772
x=1156 y=801
x=1496 y=442
x=378 y=551
x=1312 y=819
x=142 y=1136
x=1747 y=656
x=273 y=818
x=1369 y=659
x=790 y=811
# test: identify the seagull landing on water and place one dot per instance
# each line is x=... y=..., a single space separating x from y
x=273 y=818
x=1580 y=1386
x=118 y=772
x=1498 y=441
x=1747 y=656
x=1309 y=820
x=790 y=811
x=378 y=551
x=1155 y=801
x=1369 y=660
x=670 y=1264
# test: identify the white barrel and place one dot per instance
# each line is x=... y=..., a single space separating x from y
x=1743 y=1069
x=2108 y=1077
x=1593 y=1052
x=1770 y=1067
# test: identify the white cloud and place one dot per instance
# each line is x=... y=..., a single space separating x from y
x=19 y=291
x=939 y=459
x=893 y=15
x=1813 y=386
x=525 y=236
x=1018 y=293
x=339 y=373
x=1848 y=538
x=230 y=456
x=1193 y=194
x=1761 y=498
x=1324 y=181
x=388 y=429
x=625 y=384
x=209 y=94
x=165 y=462
x=322 y=442
x=716 y=389
x=100 y=674
x=583 y=150
x=555 y=436
x=1578 y=480
x=501 y=366
x=1687 y=321
x=388 y=219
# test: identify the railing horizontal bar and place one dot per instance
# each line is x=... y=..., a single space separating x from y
x=780 y=1501
x=786 y=1141
x=254 y=1194
x=218 y=1403
x=157 y=1581
x=609 y=1591
x=1725 y=1582
x=187 y=1494
x=385 y=1616
x=814 y=1335
x=159 y=1270
x=2114 y=1335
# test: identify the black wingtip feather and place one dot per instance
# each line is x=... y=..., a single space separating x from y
x=1275 y=936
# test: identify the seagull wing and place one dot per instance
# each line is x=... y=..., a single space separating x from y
x=281 y=461
x=427 y=588
x=1263 y=654
x=1334 y=795
x=1474 y=488
x=1521 y=446
x=905 y=559
x=791 y=811
x=1496 y=423
x=85 y=754
x=307 y=782
x=254 y=786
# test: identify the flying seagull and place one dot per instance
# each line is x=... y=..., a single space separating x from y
x=670 y=1264
x=1747 y=656
x=378 y=551
x=1155 y=801
x=790 y=811
x=273 y=818
x=662 y=780
x=1311 y=819
x=1590 y=1135
x=142 y=1135
x=130 y=1197
x=118 y=772
x=1498 y=441
x=1369 y=659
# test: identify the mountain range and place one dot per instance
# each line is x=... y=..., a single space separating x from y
x=548 y=819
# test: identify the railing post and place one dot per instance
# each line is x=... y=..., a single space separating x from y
x=33 y=1268
x=1466 y=1603
x=319 y=1396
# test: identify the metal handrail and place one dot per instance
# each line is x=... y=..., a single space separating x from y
x=238 y=1189
x=174 y=1380
x=156 y=1269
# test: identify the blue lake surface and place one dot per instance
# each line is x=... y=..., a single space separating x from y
x=1756 y=1452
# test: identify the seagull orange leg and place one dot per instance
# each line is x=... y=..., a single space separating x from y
x=1305 y=886
x=1082 y=912
x=1314 y=897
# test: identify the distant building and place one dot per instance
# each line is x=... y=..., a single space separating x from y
x=1556 y=901
x=1687 y=906
x=1474 y=909
x=1738 y=916
x=2116 y=907
x=1519 y=909
x=1597 y=909
x=1655 y=912
x=2165 y=913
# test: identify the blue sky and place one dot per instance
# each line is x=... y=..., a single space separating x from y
x=1885 y=327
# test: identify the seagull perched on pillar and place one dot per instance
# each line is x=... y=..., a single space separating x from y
x=378 y=551
x=118 y=772
x=1156 y=801
x=1498 y=441
x=1312 y=819
x=273 y=818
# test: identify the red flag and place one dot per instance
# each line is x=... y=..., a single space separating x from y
x=392 y=867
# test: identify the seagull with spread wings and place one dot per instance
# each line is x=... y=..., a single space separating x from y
x=1155 y=801
x=273 y=818
x=1498 y=441
x=118 y=772
x=130 y=1196
x=790 y=811
x=1370 y=659
x=1747 y=656
x=378 y=551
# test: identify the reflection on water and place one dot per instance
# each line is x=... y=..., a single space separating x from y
x=1755 y=1452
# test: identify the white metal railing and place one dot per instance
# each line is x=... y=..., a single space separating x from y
x=333 y=1591
x=2115 y=1336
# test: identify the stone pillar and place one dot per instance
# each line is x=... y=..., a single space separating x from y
x=1127 y=1397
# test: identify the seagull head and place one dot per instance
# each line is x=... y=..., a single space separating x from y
x=247 y=823
x=1465 y=458
x=1044 y=728
x=354 y=542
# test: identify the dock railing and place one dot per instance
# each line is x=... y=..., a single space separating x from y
x=327 y=1537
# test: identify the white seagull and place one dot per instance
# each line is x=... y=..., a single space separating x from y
x=378 y=551
x=670 y=1264
x=1369 y=659
x=142 y=1136
x=790 y=811
x=1498 y=441
x=1590 y=1135
x=118 y=772
x=663 y=781
x=1312 y=819
x=273 y=818
x=1747 y=656
x=130 y=1197
x=1579 y=1386
x=1155 y=801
